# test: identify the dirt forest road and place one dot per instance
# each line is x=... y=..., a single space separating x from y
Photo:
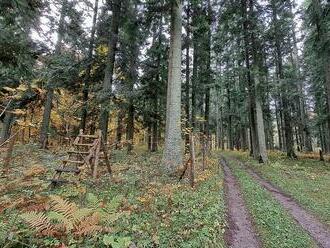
x=240 y=227
x=240 y=232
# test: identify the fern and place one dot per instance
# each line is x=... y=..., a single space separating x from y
x=89 y=226
x=114 y=204
x=81 y=214
x=64 y=207
x=66 y=218
x=39 y=222
x=4 y=229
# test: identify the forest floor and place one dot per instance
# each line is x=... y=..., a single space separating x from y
x=143 y=207
x=236 y=202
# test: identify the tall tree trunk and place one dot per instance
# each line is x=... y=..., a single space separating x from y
x=194 y=86
x=230 y=129
x=120 y=127
x=251 y=101
x=50 y=85
x=7 y=124
x=217 y=120
x=46 y=118
x=196 y=61
x=172 y=157
x=289 y=142
x=327 y=82
x=130 y=126
x=208 y=76
x=107 y=83
x=133 y=75
x=154 y=146
x=260 y=129
x=84 y=111
x=303 y=117
x=187 y=86
x=262 y=151
x=278 y=125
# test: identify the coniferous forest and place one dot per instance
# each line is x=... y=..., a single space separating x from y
x=164 y=123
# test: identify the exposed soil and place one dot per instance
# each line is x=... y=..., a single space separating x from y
x=318 y=231
x=240 y=232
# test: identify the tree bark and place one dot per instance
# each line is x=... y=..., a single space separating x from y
x=130 y=126
x=327 y=82
x=84 y=111
x=251 y=101
x=51 y=87
x=120 y=127
x=261 y=131
x=208 y=76
x=289 y=142
x=172 y=157
x=107 y=83
x=260 y=128
x=187 y=86
x=7 y=123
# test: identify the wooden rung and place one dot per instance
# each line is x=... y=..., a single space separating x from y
x=78 y=152
x=79 y=144
x=60 y=181
x=89 y=136
x=72 y=170
x=73 y=161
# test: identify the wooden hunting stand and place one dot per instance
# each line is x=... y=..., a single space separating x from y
x=87 y=152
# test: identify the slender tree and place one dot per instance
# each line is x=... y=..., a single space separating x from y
x=50 y=85
x=106 y=93
x=84 y=110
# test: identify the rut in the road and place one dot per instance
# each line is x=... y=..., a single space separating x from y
x=240 y=232
x=318 y=231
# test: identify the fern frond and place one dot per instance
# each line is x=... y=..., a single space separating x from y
x=4 y=229
x=64 y=207
x=81 y=214
x=89 y=225
x=39 y=222
x=109 y=219
x=88 y=230
x=59 y=218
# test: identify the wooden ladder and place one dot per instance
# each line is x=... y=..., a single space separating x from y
x=87 y=152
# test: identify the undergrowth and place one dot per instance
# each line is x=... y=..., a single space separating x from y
x=139 y=205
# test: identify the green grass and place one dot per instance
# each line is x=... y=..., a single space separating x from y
x=160 y=211
x=169 y=213
x=306 y=180
x=274 y=225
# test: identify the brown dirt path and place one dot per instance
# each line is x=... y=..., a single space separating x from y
x=317 y=230
x=240 y=232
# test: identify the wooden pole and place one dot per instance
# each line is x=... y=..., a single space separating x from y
x=9 y=151
x=106 y=158
x=97 y=154
x=321 y=155
x=204 y=152
x=192 y=155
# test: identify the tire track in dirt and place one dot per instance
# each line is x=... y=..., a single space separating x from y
x=317 y=230
x=240 y=232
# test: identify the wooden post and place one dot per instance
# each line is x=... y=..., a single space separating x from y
x=192 y=155
x=106 y=158
x=9 y=151
x=97 y=154
x=321 y=155
x=204 y=152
